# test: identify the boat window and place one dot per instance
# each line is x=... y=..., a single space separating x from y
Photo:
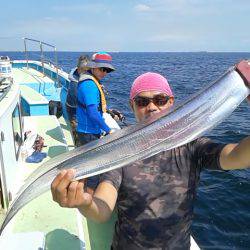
x=16 y=124
x=4 y=70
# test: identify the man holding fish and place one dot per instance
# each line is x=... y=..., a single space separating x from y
x=154 y=197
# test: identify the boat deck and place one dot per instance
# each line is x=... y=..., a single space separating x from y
x=30 y=75
x=37 y=81
x=60 y=227
x=54 y=139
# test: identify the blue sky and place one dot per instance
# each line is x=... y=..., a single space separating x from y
x=129 y=25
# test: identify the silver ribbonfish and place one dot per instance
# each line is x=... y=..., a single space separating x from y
x=165 y=131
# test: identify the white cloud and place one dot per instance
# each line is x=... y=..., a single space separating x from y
x=142 y=8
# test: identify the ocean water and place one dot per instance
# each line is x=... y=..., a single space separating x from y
x=221 y=211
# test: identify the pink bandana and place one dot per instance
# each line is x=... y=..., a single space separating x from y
x=150 y=82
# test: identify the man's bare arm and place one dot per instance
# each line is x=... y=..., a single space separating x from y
x=70 y=193
x=236 y=156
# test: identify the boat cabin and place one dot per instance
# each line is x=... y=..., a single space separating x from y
x=5 y=67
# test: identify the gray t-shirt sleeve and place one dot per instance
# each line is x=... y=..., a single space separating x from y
x=114 y=177
x=207 y=153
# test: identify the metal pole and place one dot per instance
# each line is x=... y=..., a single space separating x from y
x=42 y=57
x=42 y=60
x=26 y=52
x=56 y=62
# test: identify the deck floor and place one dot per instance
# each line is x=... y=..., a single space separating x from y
x=24 y=75
x=60 y=226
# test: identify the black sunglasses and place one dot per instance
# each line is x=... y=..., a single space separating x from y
x=158 y=100
x=106 y=70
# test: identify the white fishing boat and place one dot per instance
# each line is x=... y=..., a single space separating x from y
x=30 y=95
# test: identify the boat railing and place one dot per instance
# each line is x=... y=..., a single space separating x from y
x=42 y=56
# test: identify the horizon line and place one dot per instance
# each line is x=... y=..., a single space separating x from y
x=74 y=51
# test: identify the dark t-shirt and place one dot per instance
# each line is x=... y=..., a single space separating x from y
x=155 y=196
